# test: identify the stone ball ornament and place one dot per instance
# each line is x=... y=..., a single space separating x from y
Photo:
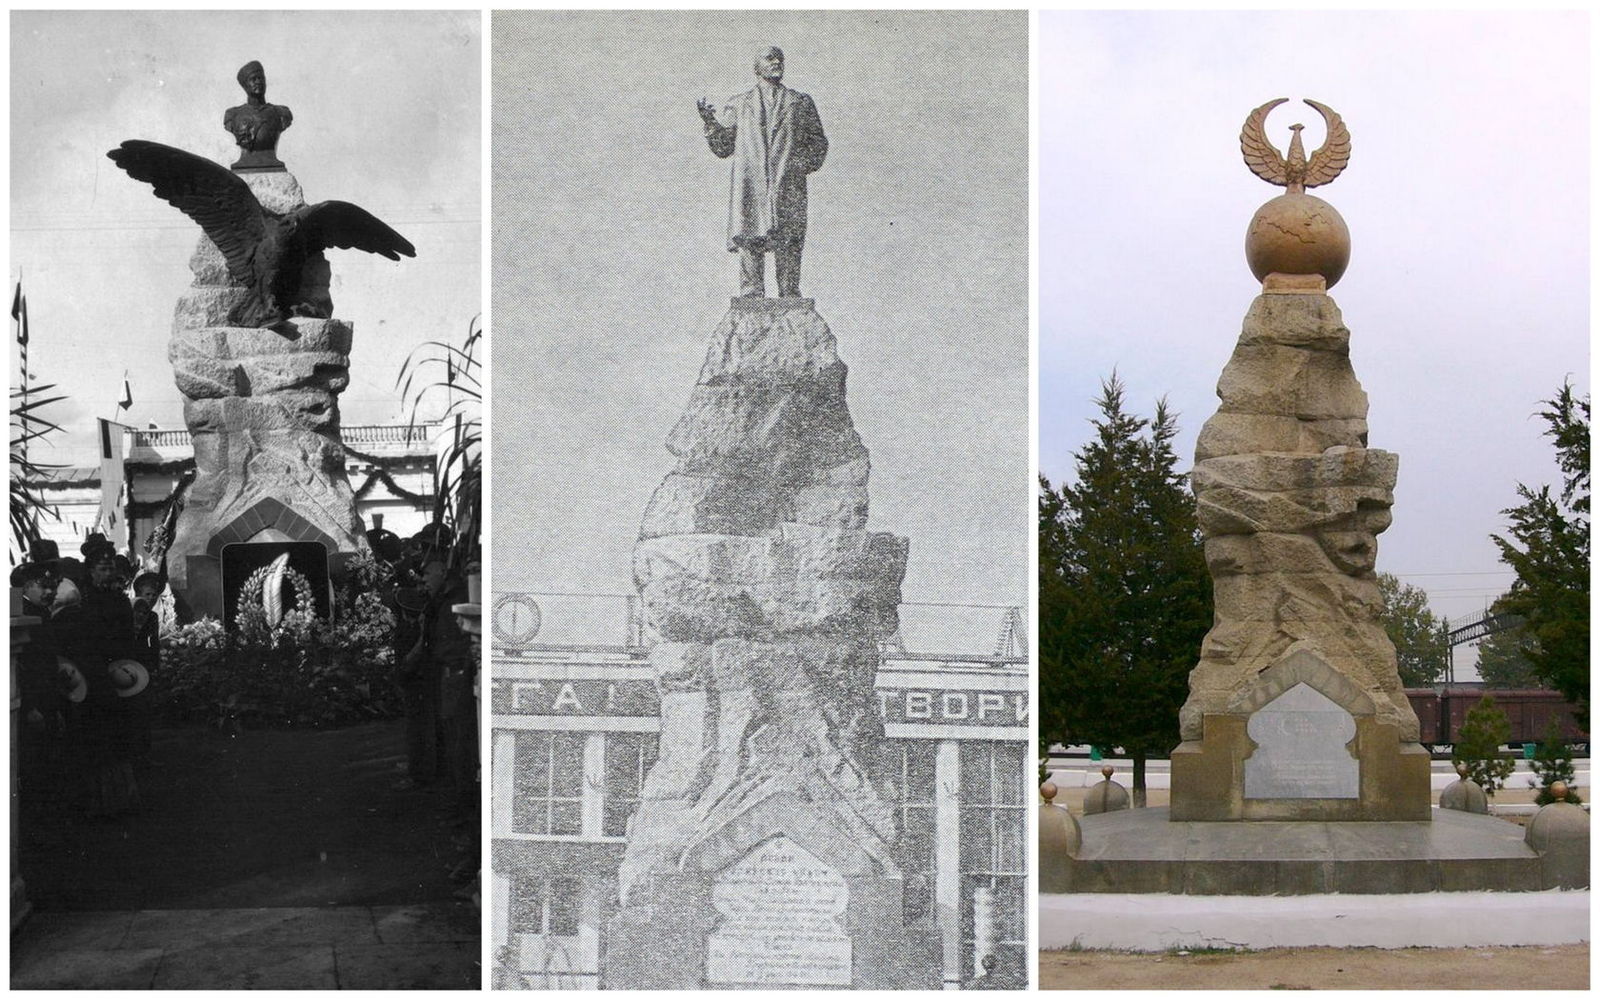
x=1296 y=233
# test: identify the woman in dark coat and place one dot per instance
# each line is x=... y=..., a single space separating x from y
x=107 y=731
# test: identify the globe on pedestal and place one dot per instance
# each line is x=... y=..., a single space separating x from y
x=1297 y=234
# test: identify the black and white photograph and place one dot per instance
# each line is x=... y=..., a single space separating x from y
x=246 y=499
x=760 y=501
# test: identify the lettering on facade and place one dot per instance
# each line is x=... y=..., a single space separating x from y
x=638 y=699
x=576 y=697
x=969 y=708
x=782 y=915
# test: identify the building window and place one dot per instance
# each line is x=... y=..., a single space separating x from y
x=547 y=907
x=629 y=757
x=909 y=765
x=994 y=826
x=547 y=775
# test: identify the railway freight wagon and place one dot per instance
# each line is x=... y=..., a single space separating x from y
x=1442 y=710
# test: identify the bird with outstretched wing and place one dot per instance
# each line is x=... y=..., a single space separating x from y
x=264 y=250
x=1295 y=171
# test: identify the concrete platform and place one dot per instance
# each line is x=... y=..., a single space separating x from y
x=1142 y=851
x=1415 y=920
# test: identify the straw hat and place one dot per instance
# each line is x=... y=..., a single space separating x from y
x=129 y=677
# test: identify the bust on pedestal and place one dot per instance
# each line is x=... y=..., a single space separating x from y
x=255 y=350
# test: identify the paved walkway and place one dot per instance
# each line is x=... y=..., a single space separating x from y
x=432 y=946
x=270 y=859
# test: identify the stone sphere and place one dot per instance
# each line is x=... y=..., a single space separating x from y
x=1059 y=834
x=1105 y=796
x=1048 y=791
x=1297 y=234
x=1560 y=833
x=1465 y=795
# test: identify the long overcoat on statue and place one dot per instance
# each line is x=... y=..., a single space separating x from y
x=771 y=158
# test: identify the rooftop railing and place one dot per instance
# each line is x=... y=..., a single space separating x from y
x=535 y=624
x=355 y=434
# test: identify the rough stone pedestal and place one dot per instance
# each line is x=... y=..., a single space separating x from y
x=262 y=406
x=1295 y=710
x=764 y=852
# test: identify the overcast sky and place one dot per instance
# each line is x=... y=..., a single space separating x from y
x=1467 y=198
x=611 y=273
x=386 y=114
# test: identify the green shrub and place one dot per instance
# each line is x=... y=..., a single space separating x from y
x=1483 y=732
x=1552 y=762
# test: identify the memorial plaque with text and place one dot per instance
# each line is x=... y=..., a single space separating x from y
x=781 y=911
x=1301 y=751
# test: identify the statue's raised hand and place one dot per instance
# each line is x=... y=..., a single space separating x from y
x=708 y=114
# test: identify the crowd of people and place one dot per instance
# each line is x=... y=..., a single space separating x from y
x=83 y=676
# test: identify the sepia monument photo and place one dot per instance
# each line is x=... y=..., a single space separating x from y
x=799 y=775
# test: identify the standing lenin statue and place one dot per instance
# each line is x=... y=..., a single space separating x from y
x=775 y=138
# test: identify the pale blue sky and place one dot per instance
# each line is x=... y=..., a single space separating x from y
x=1467 y=198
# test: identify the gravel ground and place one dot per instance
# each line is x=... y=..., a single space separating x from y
x=1562 y=967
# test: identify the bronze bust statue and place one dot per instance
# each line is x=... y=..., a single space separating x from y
x=255 y=124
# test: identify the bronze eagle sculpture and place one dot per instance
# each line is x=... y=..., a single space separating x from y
x=1294 y=171
x=264 y=250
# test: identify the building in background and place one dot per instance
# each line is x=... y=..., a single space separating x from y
x=391 y=468
x=574 y=715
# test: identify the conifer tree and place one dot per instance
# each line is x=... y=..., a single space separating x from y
x=1124 y=594
x=1484 y=731
x=1552 y=762
x=1549 y=548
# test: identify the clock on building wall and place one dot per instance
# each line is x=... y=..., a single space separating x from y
x=516 y=618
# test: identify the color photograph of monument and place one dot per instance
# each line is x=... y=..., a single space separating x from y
x=245 y=251
x=759 y=652
x=1343 y=765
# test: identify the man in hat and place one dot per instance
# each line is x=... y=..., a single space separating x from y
x=45 y=704
x=775 y=139
x=418 y=685
x=385 y=544
x=455 y=668
x=147 y=588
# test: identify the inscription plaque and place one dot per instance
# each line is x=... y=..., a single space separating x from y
x=780 y=909
x=1301 y=751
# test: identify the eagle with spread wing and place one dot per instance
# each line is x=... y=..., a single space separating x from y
x=1294 y=171
x=264 y=250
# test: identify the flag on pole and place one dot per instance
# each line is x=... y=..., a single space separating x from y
x=111 y=518
x=127 y=393
x=19 y=313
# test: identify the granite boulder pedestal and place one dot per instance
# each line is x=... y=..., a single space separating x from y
x=764 y=852
x=1299 y=770
x=262 y=407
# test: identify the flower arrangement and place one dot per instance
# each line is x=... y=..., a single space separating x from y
x=302 y=672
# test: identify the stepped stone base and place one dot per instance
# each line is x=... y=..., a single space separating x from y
x=1144 y=850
